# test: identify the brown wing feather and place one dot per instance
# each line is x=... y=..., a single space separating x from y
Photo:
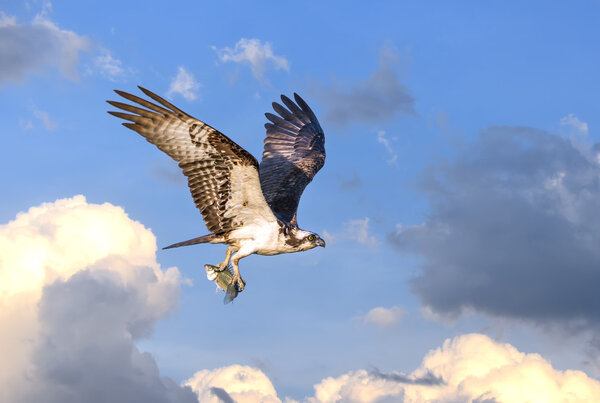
x=212 y=162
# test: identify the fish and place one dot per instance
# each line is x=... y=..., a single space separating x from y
x=222 y=278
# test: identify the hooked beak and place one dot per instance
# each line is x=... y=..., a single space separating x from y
x=320 y=242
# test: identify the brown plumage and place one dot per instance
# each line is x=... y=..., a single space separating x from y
x=248 y=212
x=205 y=155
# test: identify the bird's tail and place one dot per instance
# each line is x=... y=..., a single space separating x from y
x=194 y=241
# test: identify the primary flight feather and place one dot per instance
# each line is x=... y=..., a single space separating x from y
x=250 y=207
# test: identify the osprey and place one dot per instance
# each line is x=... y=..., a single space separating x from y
x=247 y=206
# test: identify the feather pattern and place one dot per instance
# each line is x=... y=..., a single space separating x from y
x=222 y=176
x=294 y=151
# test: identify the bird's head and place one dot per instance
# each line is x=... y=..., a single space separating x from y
x=307 y=240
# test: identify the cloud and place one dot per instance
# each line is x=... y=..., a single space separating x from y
x=222 y=395
x=329 y=237
x=577 y=132
x=79 y=284
x=354 y=230
x=44 y=117
x=572 y=122
x=375 y=99
x=515 y=214
x=383 y=317
x=184 y=84
x=358 y=230
x=237 y=383
x=108 y=66
x=31 y=48
x=382 y=139
x=468 y=368
x=258 y=55
x=427 y=379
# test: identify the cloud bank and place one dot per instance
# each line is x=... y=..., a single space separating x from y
x=468 y=368
x=513 y=230
x=79 y=284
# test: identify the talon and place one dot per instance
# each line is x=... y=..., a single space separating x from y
x=239 y=283
x=235 y=287
x=220 y=267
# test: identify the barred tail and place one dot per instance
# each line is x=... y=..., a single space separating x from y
x=194 y=241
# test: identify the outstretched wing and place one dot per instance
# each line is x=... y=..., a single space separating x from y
x=222 y=176
x=294 y=152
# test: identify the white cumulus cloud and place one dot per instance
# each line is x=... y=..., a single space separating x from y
x=383 y=317
x=258 y=55
x=184 y=84
x=468 y=368
x=235 y=383
x=79 y=283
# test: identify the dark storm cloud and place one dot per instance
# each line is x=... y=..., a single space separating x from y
x=513 y=229
x=86 y=351
x=377 y=98
x=428 y=379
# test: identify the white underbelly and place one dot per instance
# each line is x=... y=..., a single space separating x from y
x=268 y=250
x=260 y=239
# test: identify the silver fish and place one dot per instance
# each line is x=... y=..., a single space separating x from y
x=222 y=278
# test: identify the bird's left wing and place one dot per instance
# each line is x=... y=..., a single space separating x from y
x=222 y=176
x=294 y=152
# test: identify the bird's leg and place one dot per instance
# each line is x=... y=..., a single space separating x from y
x=223 y=265
x=237 y=279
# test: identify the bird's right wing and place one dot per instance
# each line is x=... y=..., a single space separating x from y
x=222 y=176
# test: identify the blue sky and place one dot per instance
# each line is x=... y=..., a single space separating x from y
x=459 y=195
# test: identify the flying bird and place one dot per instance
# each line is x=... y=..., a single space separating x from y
x=248 y=206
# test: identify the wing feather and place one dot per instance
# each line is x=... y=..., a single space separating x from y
x=294 y=152
x=222 y=176
x=141 y=101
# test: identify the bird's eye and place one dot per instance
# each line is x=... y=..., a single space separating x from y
x=311 y=237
